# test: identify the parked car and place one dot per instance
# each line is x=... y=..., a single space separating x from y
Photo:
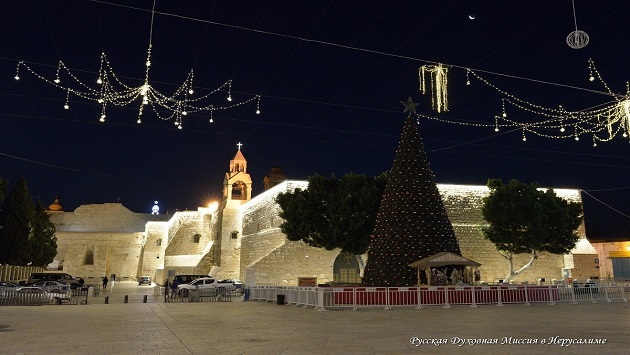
x=144 y=280
x=52 y=286
x=184 y=279
x=31 y=295
x=238 y=284
x=204 y=283
x=55 y=276
x=7 y=285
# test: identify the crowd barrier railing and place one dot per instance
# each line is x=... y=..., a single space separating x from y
x=323 y=298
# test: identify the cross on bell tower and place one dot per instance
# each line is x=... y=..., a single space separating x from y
x=237 y=184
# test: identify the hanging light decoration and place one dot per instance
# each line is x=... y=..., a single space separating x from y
x=111 y=91
x=602 y=123
x=577 y=39
x=439 y=85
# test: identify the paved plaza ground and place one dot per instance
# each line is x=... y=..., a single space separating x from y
x=265 y=328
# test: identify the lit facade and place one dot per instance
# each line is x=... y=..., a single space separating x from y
x=241 y=238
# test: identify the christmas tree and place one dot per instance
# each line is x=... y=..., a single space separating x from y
x=411 y=223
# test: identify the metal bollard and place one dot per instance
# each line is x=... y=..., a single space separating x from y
x=126 y=298
x=145 y=299
x=106 y=299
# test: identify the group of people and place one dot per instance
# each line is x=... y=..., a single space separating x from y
x=106 y=280
x=457 y=277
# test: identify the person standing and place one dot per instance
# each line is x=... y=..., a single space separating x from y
x=174 y=288
x=105 y=280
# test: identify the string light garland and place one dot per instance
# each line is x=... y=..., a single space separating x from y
x=439 y=85
x=111 y=91
x=602 y=123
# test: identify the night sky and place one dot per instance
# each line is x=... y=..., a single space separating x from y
x=330 y=74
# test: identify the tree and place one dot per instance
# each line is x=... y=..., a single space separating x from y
x=27 y=236
x=412 y=222
x=333 y=213
x=525 y=219
x=18 y=213
x=43 y=241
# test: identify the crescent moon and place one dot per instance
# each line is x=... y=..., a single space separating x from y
x=472 y=17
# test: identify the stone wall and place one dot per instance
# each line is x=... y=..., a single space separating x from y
x=463 y=205
x=230 y=244
x=113 y=253
x=584 y=267
x=268 y=257
x=132 y=244
x=260 y=229
x=291 y=260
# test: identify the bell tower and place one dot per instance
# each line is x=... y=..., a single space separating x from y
x=237 y=184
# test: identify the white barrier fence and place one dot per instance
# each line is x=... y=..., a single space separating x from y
x=323 y=298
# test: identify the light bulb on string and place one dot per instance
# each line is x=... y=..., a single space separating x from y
x=99 y=80
x=524 y=138
x=66 y=106
x=577 y=138
x=57 y=81
x=590 y=70
x=467 y=78
x=17 y=71
x=503 y=107
x=258 y=104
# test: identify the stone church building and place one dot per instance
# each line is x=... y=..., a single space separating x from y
x=240 y=238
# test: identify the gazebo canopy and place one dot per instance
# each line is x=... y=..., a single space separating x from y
x=442 y=259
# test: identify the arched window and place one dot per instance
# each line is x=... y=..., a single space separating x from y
x=158 y=242
x=89 y=258
x=196 y=238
